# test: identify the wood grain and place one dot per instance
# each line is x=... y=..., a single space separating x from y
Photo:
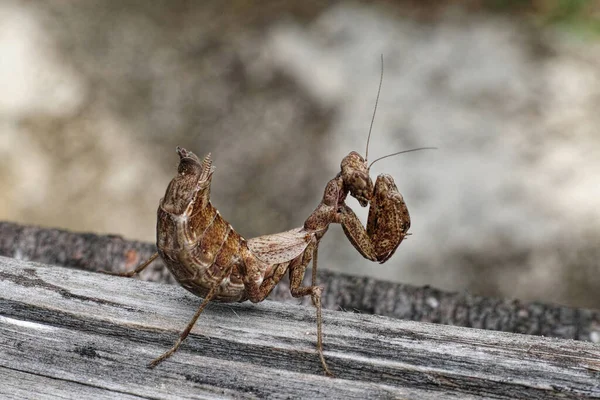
x=77 y=334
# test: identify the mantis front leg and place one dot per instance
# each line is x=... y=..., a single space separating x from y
x=387 y=224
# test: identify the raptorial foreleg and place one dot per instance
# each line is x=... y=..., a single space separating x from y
x=387 y=224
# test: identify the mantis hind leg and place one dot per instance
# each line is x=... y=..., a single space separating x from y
x=137 y=269
x=184 y=334
x=387 y=225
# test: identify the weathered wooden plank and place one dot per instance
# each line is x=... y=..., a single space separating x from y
x=81 y=332
x=366 y=295
x=24 y=385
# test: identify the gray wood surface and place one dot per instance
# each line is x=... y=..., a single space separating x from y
x=92 y=252
x=73 y=334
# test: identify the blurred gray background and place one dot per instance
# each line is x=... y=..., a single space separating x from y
x=95 y=95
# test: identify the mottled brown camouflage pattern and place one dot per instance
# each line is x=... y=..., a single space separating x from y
x=208 y=258
x=198 y=245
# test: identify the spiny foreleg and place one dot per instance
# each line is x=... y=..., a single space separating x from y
x=387 y=224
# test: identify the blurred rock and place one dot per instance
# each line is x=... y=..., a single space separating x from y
x=97 y=95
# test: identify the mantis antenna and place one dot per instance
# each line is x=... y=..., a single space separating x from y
x=373 y=120
x=401 y=152
x=375 y=110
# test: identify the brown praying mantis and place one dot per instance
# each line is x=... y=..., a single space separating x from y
x=211 y=260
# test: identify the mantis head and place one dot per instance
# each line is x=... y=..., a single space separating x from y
x=355 y=174
x=355 y=170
